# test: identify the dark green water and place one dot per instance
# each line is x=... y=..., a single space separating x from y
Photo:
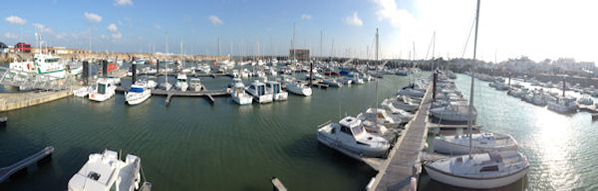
x=561 y=149
x=192 y=145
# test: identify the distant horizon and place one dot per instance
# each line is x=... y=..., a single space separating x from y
x=408 y=28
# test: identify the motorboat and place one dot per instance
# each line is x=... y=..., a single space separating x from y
x=482 y=142
x=105 y=89
x=239 y=96
x=181 y=82
x=401 y=102
x=332 y=82
x=350 y=136
x=411 y=92
x=258 y=91
x=299 y=88
x=196 y=85
x=480 y=171
x=138 y=93
x=105 y=171
x=454 y=112
x=274 y=88
x=83 y=91
x=381 y=117
x=398 y=113
x=563 y=105
x=151 y=84
x=236 y=83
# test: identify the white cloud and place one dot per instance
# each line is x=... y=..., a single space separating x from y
x=43 y=28
x=112 y=28
x=93 y=17
x=157 y=26
x=305 y=17
x=61 y=35
x=354 y=20
x=104 y=37
x=15 y=20
x=122 y=2
x=9 y=35
x=116 y=35
x=215 y=20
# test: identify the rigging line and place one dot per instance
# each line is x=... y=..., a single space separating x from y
x=467 y=40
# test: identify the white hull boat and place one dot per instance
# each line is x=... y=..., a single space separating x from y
x=299 y=89
x=105 y=89
x=349 y=136
x=107 y=172
x=138 y=93
x=482 y=142
x=83 y=91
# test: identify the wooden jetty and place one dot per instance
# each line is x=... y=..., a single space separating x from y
x=6 y=172
x=403 y=161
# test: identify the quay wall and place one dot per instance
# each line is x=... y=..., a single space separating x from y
x=23 y=100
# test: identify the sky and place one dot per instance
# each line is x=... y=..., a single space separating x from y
x=420 y=29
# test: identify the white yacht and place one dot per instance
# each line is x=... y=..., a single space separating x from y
x=274 y=88
x=401 y=102
x=195 y=84
x=299 y=88
x=482 y=142
x=480 y=171
x=258 y=91
x=83 y=91
x=563 y=105
x=239 y=96
x=106 y=171
x=381 y=117
x=181 y=82
x=453 y=112
x=349 y=136
x=236 y=83
x=105 y=89
x=138 y=93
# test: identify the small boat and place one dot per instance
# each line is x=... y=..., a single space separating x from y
x=258 y=91
x=236 y=84
x=299 y=88
x=381 y=117
x=239 y=96
x=481 y=142
x=181 y=82
x=411 y=92
x=105 y=89
x=196 y=85
x=106 y=171
x=275 y=89
x=151 y=84
x=480 y=171
x=349 y=135
x=332 y=82
x=83 y=91
x=138 y=93
x=453 y=112
x=400 y=102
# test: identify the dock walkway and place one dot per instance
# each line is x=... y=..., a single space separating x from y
x=6 y=172
x=209 y=94
x=398 y=168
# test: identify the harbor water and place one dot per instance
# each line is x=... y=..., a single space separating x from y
x=192 y=145
x=561 y=149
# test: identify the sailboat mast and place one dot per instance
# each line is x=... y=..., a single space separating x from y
x=470 y=111
x=377 y=73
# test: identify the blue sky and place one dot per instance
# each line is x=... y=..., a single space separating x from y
x=538 y=29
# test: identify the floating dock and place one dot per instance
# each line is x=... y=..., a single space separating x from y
x=6 y=172
x=209 y=94
x=403 y=160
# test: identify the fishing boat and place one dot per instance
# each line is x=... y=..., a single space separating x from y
x=105 y=89
x=275 y=89
x=258 y=91
x=138 y=93
x=105 y=171
x=196 y=85
x=349 y=135
x=482 y=142
x=478 y=171
x=181 y=82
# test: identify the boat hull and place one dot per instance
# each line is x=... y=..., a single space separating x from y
x=446 y=147
x=339 y=146
x=139 y=100
x=476 y=183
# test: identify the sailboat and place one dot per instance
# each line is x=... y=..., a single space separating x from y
x=296 y=87
x=479 y=171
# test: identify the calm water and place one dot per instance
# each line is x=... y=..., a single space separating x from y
x=192 y=145
x=561 y=148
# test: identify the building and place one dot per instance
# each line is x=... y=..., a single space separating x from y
x=301 y=54
x=23 y=47
x=4 y=48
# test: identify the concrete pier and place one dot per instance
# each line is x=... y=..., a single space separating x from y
x=12 y=101
x=404 y=159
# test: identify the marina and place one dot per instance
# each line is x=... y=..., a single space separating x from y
x=361 y=98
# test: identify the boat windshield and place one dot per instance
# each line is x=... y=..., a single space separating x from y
x=356 y=130
x=137 y=90
x=101 y=88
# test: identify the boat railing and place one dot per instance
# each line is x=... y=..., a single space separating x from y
x=324 y=124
